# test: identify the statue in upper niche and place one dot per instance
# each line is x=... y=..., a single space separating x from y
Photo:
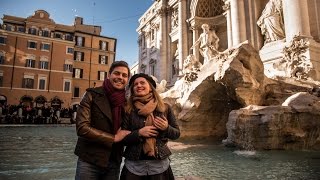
x=271 y=22
x=208 y=43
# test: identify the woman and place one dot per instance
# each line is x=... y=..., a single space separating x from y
x=151 y=123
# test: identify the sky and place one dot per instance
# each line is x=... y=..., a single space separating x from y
x=117 y=18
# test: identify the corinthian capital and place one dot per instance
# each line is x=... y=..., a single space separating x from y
x=226 y=5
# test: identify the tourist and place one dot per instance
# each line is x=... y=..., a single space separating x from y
x=208 y=43
x=151 y=123
x=271 y=21
x=98 y=127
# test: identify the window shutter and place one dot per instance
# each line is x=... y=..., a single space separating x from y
x=98 y=75
x=81 y=73
x=31 y=83
x=82 y=56
x=73 y=72
x=107 y=57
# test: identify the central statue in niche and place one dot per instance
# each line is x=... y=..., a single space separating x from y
x=208 y=43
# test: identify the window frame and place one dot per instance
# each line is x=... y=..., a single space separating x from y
x=29 y=43
x=43 y=45
x=65 y=81
x=4 y=38
x=45 y=82
x=31 y=63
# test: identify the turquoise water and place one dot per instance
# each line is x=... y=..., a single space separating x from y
x=46 y=152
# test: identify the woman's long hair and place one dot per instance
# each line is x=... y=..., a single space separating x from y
x=160 y=106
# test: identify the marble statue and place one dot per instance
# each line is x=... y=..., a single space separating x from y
x=208 y=43
x=271 y=21
x=174 y=19
x=191 y=66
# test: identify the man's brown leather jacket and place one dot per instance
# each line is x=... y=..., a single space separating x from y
x=94 y=128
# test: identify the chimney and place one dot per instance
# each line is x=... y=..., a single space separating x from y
x=78 y=21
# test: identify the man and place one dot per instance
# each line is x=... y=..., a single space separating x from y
x=97 y=123
x=208 y=43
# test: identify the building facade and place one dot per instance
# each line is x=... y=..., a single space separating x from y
x=43 y=63
x=169 y=28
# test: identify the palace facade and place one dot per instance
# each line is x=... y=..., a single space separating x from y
x=169 y=28
x=43 y=63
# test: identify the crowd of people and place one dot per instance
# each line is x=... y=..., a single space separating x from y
x=22 y=114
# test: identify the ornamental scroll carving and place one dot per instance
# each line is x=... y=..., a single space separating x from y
x=294 y=62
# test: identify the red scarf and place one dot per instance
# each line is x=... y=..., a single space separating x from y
x=117 y=99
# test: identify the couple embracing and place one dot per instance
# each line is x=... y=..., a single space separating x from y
x=106 y=122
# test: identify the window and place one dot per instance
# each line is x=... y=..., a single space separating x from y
x=45 y=46
x=103 y=59
x=102 y=75
x=9 y=27
x=67 y=85
x=152 y=34
x=143 y=68
x=44 y=65
x=143 y=42
x=28 y=81
x=45 y=33
x=32 y=45
x=3 y=40
x=175 y=67
x=152 y=69
x=77 y=73
x=2 y=57
x=58 y=35
x=30 y=63
x=79 y=56
x=21 y=29
x=76 y=92
x=152 y=66
x=103 y=45
x=67 y=67
x=1 y=79
x=33 y=31
x=42 y=83
x=69 y=50
x=80 y=41
x=69 y=37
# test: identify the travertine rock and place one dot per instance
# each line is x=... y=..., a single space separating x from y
x=294 y=125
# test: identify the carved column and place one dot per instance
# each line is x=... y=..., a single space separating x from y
x=296 y=18
x=169 y=46
x=195 y=36
x=238 y=21
x=227 y=14
x=163 y=61
x=183 y=33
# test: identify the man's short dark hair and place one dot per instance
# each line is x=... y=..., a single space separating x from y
x=117 y=64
